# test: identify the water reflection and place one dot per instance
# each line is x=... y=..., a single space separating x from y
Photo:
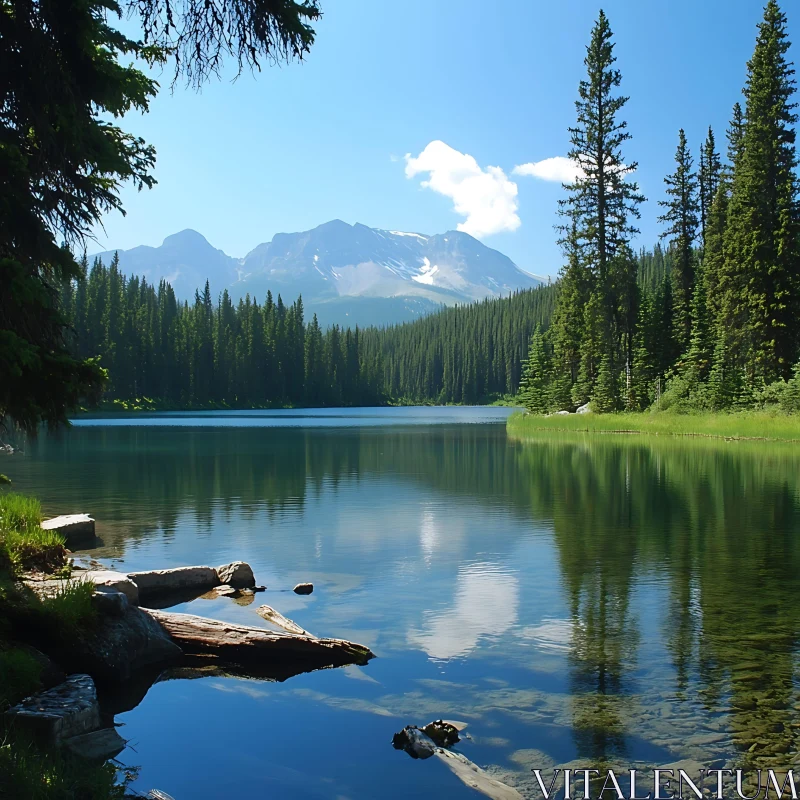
x=485 y=605
x=593 y=599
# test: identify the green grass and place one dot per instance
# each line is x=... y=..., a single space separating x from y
x=767 y=425
x=23 y=544
x=70 y=610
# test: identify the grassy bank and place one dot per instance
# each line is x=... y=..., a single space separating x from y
x=767 y=425
x=27 y=770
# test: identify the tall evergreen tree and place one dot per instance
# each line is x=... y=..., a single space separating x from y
x=566 y=329
x=681 y=220
x=534 y=391
x=600 y=204
x=713 y=252
x=759 y=284
x=709 y=177
x=735 y=137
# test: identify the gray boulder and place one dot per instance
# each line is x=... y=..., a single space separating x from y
x=109 y=602
x=162 y=581
x=584 y=409
x=69 y=709
x=304 y=588
x=238 y=574
x=120 y=646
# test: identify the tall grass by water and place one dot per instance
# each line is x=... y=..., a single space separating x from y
x=770 y=425
x=23 y=543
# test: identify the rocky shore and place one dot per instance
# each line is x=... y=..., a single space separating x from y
x=135 y=642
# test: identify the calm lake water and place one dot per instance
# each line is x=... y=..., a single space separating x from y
x=577 y=600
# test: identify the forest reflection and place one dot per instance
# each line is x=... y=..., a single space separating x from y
x=712 y=525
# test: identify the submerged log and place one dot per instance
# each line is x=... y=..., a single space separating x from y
x=240 y=644
x=417 y=742
x=276 y=618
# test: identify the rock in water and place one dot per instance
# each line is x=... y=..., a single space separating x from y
x=69 y=709
x=237 y=573
x=162 y=581
x=157 y=794
x=77 y=529
x=442 y=733
x=416 y=743
x=97 y=745
x=304 y=588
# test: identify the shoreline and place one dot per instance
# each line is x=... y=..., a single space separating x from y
x=744 y=426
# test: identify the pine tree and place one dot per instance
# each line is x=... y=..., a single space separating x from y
x=535 y=376
x=644 y=371
x=599 y=206
x=681 y=218
x=790 y=401
x=593 y=343
x=735 y=137
x=762 y=244
x=722 y=386
x=606 y=396
x=709 y=178
x=713 y=253
x=566 y=329
x=698 y=356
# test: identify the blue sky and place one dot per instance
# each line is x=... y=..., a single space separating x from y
x=495 y=83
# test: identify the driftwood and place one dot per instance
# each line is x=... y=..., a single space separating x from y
x=239 y=644
x=276 y=618
x=474 y=777
x=426 y=743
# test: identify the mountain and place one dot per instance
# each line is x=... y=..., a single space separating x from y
x=186 y=260
x=349 y=274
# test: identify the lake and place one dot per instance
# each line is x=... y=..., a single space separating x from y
x=576 y=600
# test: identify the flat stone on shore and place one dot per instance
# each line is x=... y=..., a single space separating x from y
x=110 y=579
x=69 y=709
x=77 y=529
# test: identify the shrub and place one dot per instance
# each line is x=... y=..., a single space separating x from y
x=790 y=398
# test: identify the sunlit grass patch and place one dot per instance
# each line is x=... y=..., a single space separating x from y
x=773 y=425
x=23 y=543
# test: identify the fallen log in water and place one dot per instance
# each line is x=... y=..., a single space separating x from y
x=240 y=644
x=276 y=618
x=434 y=740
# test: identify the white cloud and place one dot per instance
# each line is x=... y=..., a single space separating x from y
x=485 y=197
x=558 y=168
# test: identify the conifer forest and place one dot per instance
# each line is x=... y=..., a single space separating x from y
x=707 y=319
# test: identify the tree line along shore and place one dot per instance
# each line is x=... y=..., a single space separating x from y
x=707 y=323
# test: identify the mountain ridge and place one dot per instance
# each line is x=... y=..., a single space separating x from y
x=335 y=266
